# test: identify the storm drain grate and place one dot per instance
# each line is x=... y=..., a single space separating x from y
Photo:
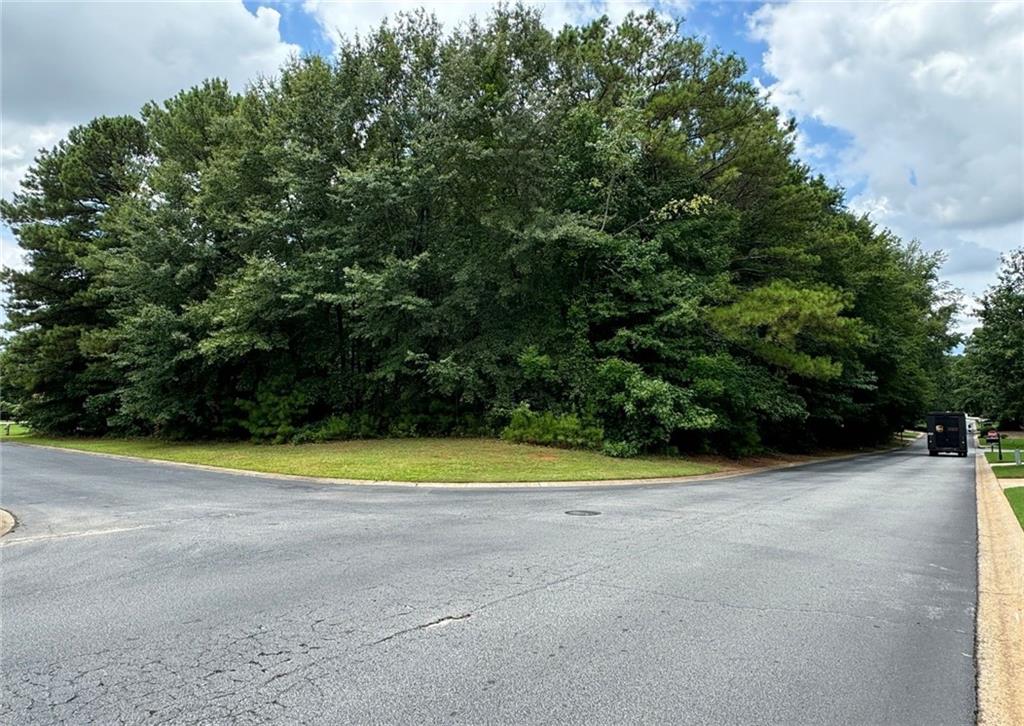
x=582 y=513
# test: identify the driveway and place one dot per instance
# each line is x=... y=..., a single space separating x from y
x=841 y=592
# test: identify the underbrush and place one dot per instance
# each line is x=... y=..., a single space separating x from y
x=566 y=431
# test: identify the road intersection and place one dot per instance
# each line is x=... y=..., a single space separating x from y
x=840 y=592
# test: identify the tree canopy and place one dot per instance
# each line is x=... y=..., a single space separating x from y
x=991 y=371
x=605 y=228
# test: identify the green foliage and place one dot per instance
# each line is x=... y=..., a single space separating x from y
x=337 y=428
x=641 y=411
x=9 y=410
x=551 y=429
x=413 y=238
x=274 y=411
x=990 y=374
x=775 y=321
x=61 y=218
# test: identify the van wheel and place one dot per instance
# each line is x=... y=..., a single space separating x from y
x=933 y=453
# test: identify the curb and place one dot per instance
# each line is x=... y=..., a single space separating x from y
x=7 y=522
x=572 y=484
x=1000 y=612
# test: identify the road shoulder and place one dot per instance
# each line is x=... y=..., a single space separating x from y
x=1000 y=618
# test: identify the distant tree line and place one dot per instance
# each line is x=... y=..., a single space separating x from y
x=989 y=375
x=600 y=235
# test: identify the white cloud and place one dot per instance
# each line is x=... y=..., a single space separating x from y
x=74 y=60
x=11 y=255
x=345 y=18
x=929 y=91
x=19 y=143
x=64 y=63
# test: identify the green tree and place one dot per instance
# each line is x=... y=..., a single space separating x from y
x=991 y=372
x=432 y=231
x=58 y=306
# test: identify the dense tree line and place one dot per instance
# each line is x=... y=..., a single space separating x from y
x=990 y=373
x=602 y=235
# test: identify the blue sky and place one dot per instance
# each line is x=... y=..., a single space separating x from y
x=297 y=26
x=915 y=109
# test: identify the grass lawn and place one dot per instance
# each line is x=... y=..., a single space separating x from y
x=1009 y=472
x=1016 y=497
x=419 y=460
x=16 y=430
x=1008 y=443
x=993 y=456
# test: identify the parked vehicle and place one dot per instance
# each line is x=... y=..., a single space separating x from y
x=947 y=433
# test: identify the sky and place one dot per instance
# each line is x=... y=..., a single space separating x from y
x=916 y=109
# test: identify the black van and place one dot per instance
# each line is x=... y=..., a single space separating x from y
x=947 y=432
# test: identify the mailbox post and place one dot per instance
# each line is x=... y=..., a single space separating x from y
x=992 y=438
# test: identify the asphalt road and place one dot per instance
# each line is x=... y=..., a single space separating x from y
x=841 y=592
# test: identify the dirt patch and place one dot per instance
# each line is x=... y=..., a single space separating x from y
x=1000 y=604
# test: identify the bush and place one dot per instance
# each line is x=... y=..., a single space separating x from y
x=550 y=429
x=620 y=449
x=272 y=414
x=337 y=428
x=641 y=412
x=405 y=426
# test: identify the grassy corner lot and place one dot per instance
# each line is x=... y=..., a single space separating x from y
x=1016 y=497
x=415 y=460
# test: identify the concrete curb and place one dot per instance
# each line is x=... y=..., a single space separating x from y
x=474 y=485
x=7 y=522
x=1000 y=615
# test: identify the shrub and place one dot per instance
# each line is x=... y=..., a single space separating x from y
x=337 y=428
x=567 y=431
x=620 y=449
x=405 y=426
x=272 y=413
x=641 y=412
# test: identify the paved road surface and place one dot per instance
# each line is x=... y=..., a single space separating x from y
x=841 y=592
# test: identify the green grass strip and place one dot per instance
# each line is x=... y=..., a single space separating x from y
x=415 y=460
x=1016 y=497
x=1009 y=472
x=993 y=457
x=1008 y=443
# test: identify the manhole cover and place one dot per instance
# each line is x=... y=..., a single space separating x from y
x=582 y=513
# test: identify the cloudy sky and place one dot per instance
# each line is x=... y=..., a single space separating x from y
x=914 y=108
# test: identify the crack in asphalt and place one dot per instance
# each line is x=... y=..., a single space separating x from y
x=425 y=626
x=237 y=652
